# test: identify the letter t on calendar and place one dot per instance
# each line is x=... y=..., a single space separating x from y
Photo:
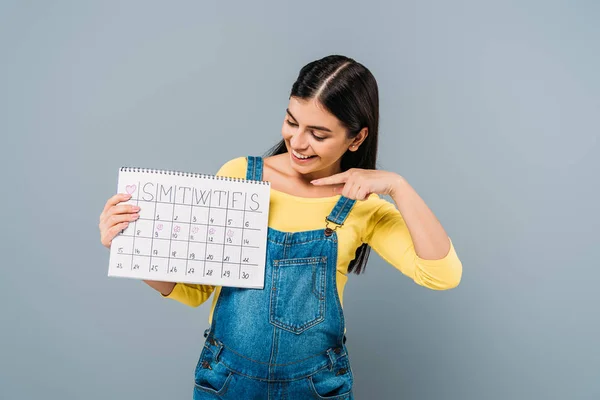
x=193 y=228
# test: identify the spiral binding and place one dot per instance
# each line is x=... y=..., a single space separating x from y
x=192 y=175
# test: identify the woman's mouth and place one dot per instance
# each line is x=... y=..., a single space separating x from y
x=300 y=158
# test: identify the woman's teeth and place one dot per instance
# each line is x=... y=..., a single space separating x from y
x=300 y=155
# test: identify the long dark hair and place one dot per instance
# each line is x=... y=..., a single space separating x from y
x=348 y=90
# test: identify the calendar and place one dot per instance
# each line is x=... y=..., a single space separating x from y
x=193 y=228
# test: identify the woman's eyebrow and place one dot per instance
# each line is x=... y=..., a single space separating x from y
x=319 y=128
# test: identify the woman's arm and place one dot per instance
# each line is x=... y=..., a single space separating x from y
x=407 y=235
x=430 y=240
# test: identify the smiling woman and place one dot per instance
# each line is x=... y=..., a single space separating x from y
x=325 y=214
x=316 y=148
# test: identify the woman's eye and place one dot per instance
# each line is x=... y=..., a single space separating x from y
x=312 y=132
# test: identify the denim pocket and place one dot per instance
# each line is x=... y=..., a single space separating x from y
x=298 y=293
x=332 y=384
x=211 y=376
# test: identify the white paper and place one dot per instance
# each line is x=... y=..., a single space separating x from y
x=193 y=228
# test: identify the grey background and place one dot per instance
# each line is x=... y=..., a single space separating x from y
x=489 y=109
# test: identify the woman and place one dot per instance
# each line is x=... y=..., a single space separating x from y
x=288 y=339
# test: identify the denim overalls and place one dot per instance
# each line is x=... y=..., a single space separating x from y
x=286 y=341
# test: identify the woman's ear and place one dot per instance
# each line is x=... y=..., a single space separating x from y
x=358 y=139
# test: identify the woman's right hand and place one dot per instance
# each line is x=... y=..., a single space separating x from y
x=114 y=218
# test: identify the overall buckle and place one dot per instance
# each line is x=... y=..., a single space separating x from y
x=328 y=230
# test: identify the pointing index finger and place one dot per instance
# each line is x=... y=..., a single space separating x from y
x=331 y=180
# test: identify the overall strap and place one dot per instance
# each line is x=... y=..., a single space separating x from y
x=341 y=210
x=255 y=168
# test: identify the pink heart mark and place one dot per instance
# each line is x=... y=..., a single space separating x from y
x=130 y=188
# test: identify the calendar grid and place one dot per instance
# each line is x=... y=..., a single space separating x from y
x=226 y=223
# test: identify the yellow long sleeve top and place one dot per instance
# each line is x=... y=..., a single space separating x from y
x=374 y=221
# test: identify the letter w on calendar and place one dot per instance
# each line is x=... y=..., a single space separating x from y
x=193 y=228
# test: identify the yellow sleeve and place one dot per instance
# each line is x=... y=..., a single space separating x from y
x=192 y=294
x=235 y=168
x=389 y=236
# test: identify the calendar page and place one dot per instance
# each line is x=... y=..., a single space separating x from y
x=192 y=228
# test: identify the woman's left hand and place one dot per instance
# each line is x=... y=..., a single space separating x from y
x=359 y=184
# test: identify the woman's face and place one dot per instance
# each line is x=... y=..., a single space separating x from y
x=315 y=139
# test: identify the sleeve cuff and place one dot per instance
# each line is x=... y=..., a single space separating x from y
x=439 y=261
x=444 y=273
x=173 y=293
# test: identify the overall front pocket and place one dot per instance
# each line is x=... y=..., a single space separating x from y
x=298 y=293
x=211 y=376
x=334 y=384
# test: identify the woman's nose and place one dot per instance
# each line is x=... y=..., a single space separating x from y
x=298 y=140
